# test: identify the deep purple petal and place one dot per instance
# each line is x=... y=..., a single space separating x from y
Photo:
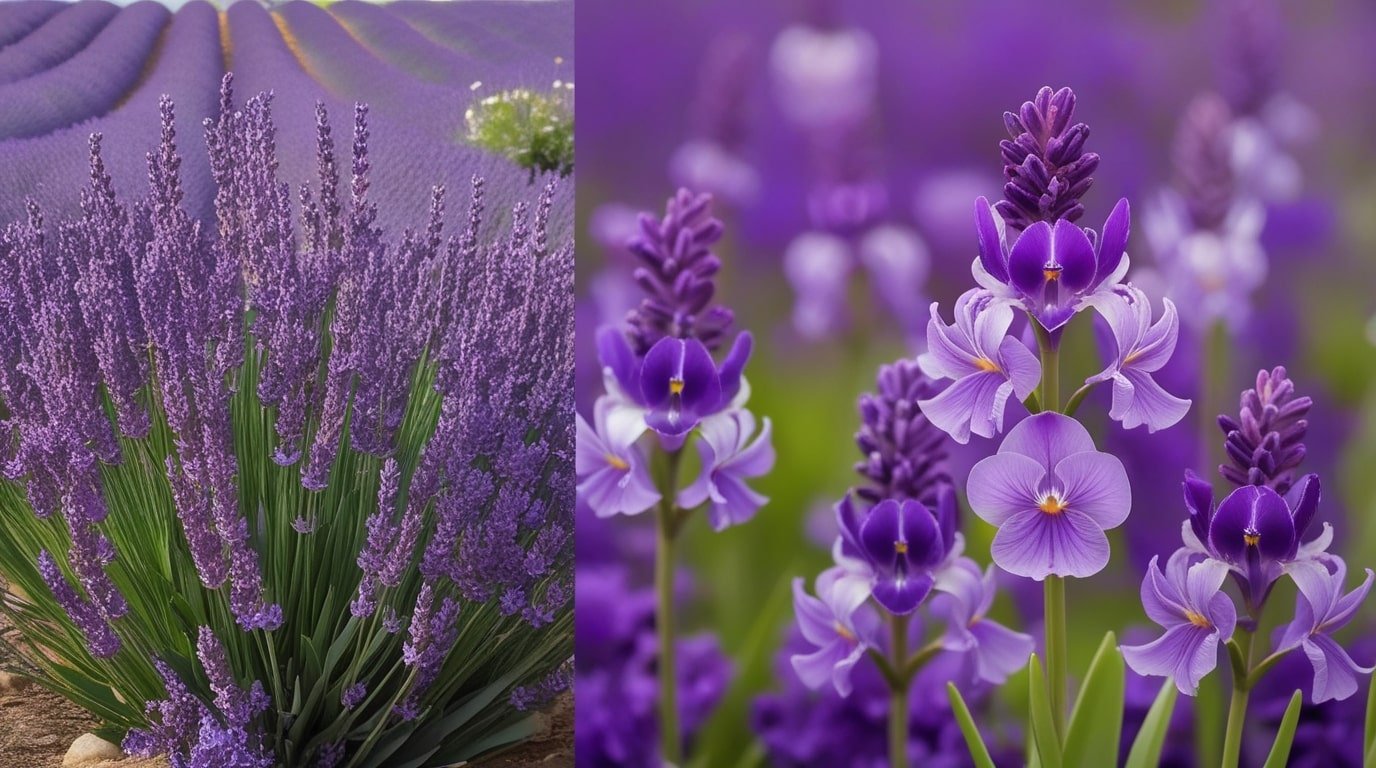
x=679 y=382
x=1028 y=259
x=1308 y=493
x=615 y=354
x=1113 y=242
x=1036 y=544
x=1073 y=252
x=733 y=366
x=991 y=245
x=901 y=594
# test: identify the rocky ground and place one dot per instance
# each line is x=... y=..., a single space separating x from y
x=38 y=727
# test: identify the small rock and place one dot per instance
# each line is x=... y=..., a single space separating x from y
x=9 y=683
x=89 y=749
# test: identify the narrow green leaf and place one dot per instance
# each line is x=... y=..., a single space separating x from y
x=1146 y=748
x=1370 y=733
x=1285 y=734
x=973 y=740
x=1043 y=730
x=1096 y=723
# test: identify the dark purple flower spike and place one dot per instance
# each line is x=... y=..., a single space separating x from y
x=1045 y=162
x=1265 y=443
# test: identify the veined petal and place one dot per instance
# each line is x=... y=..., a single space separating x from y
x=1185 y=652
x=1022 y=367
x=1073 y=253
x=1047 y=437
x=1114 y=240
x=1138 y=400
x=1000 y=651
x=969 y=399
x=1028 y=257
x=1097 y=485
x=992 y=248
x=1037 y=544
x=733 y=502
x=814 y=620
x=1335 y=673
x=1157 y=345
x=1004 y=485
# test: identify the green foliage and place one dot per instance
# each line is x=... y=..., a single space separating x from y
x=1151 y=739
x=1285 y=734
x=320 y=649
x=1096 y=723
x=968 y=729
x=531 y=129
x=1047 y=741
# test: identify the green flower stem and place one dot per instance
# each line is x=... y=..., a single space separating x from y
x=670 y=737
x=898 y=694
x=1056 y=650
x=1237 y=707
x=1050 y=399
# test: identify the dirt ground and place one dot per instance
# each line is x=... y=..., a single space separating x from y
x=37 y=727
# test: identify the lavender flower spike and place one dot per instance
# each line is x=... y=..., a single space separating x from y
x=1265 y=443
x=613 y=477
x=1322 y=608
x=729 y=458
x=1052 y=496
x=904 y=453
x=838 y=624
x=1187 y=599
x=986 y=364
x=1142 y=349
x=1045 y=162
x=990 y=652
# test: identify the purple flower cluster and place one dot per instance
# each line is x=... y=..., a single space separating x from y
x=1256 y=535
x=193 y=735
x=1045 y=161
x=903 y=452
x=660 y=376
x=615 y=674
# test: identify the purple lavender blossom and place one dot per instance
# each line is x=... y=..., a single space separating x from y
x=1322 y=608
x=1187 y=599
x=990 y=652
x=1142 y=348
x=1045 y=162
x=986 y=364
x=614 y=476
x=904 y=453
x=100 y=636
x=1052 y=271
x=1265 y=443
x=678 y=275
x=729 y=458
x=1052 y=496
x=901 y=544
x=839 y=626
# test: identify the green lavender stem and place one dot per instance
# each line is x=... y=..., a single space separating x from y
x=898 y=694
x=1054 y=608
x=670 y=737
x=1237 y=706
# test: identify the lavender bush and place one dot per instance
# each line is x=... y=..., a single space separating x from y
x=282 y=487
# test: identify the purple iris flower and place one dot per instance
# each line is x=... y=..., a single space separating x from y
x=729 y=458
x=1051 y=270
x=613 y=478
x=838 y=624
x=677 y=383
x=1142 y=349
x=987 y=366
x=1187 y=599
x=1255 y=531
x=1322 y=608
x=990 y=651
x=902 y=543
x=1052 y=496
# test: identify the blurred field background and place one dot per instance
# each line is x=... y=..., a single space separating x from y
x=653 y=80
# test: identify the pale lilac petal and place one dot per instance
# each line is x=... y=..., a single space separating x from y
x=815 y=621
x=1157 y=345
x=1000 y=651
x=1021 y=365
x=1202 y=585
x=1185 y=652
x=700 y=490
x=590 y=453
x=1004 y=485
x=965 y=406
x=758 y=458
x=1036 y=545
x=733 y=503
x=991 y=327
x=614 y=492
x=1161 y=598
x=840 y=673
x=842 y=594
x=1097 y=485
x=1139 y=400
x=815 y=669
x=1348 y=604
x=1335 y=673
x=1047 y=437
x=947 y=356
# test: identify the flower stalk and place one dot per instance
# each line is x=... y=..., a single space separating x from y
x=898 y=694
x=1240 y=650
x=670 y=737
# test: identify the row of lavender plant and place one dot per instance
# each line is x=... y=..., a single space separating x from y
x=902 y=594
x=301 y=487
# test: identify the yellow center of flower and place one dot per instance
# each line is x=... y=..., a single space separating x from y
x=901 y=547
x=1052 y=505
x=1252 y=539
x=675 y=386
x=986 y=365
x=845 y=634
x=1198 y=620
x=1051 y=274
x=617 y=462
